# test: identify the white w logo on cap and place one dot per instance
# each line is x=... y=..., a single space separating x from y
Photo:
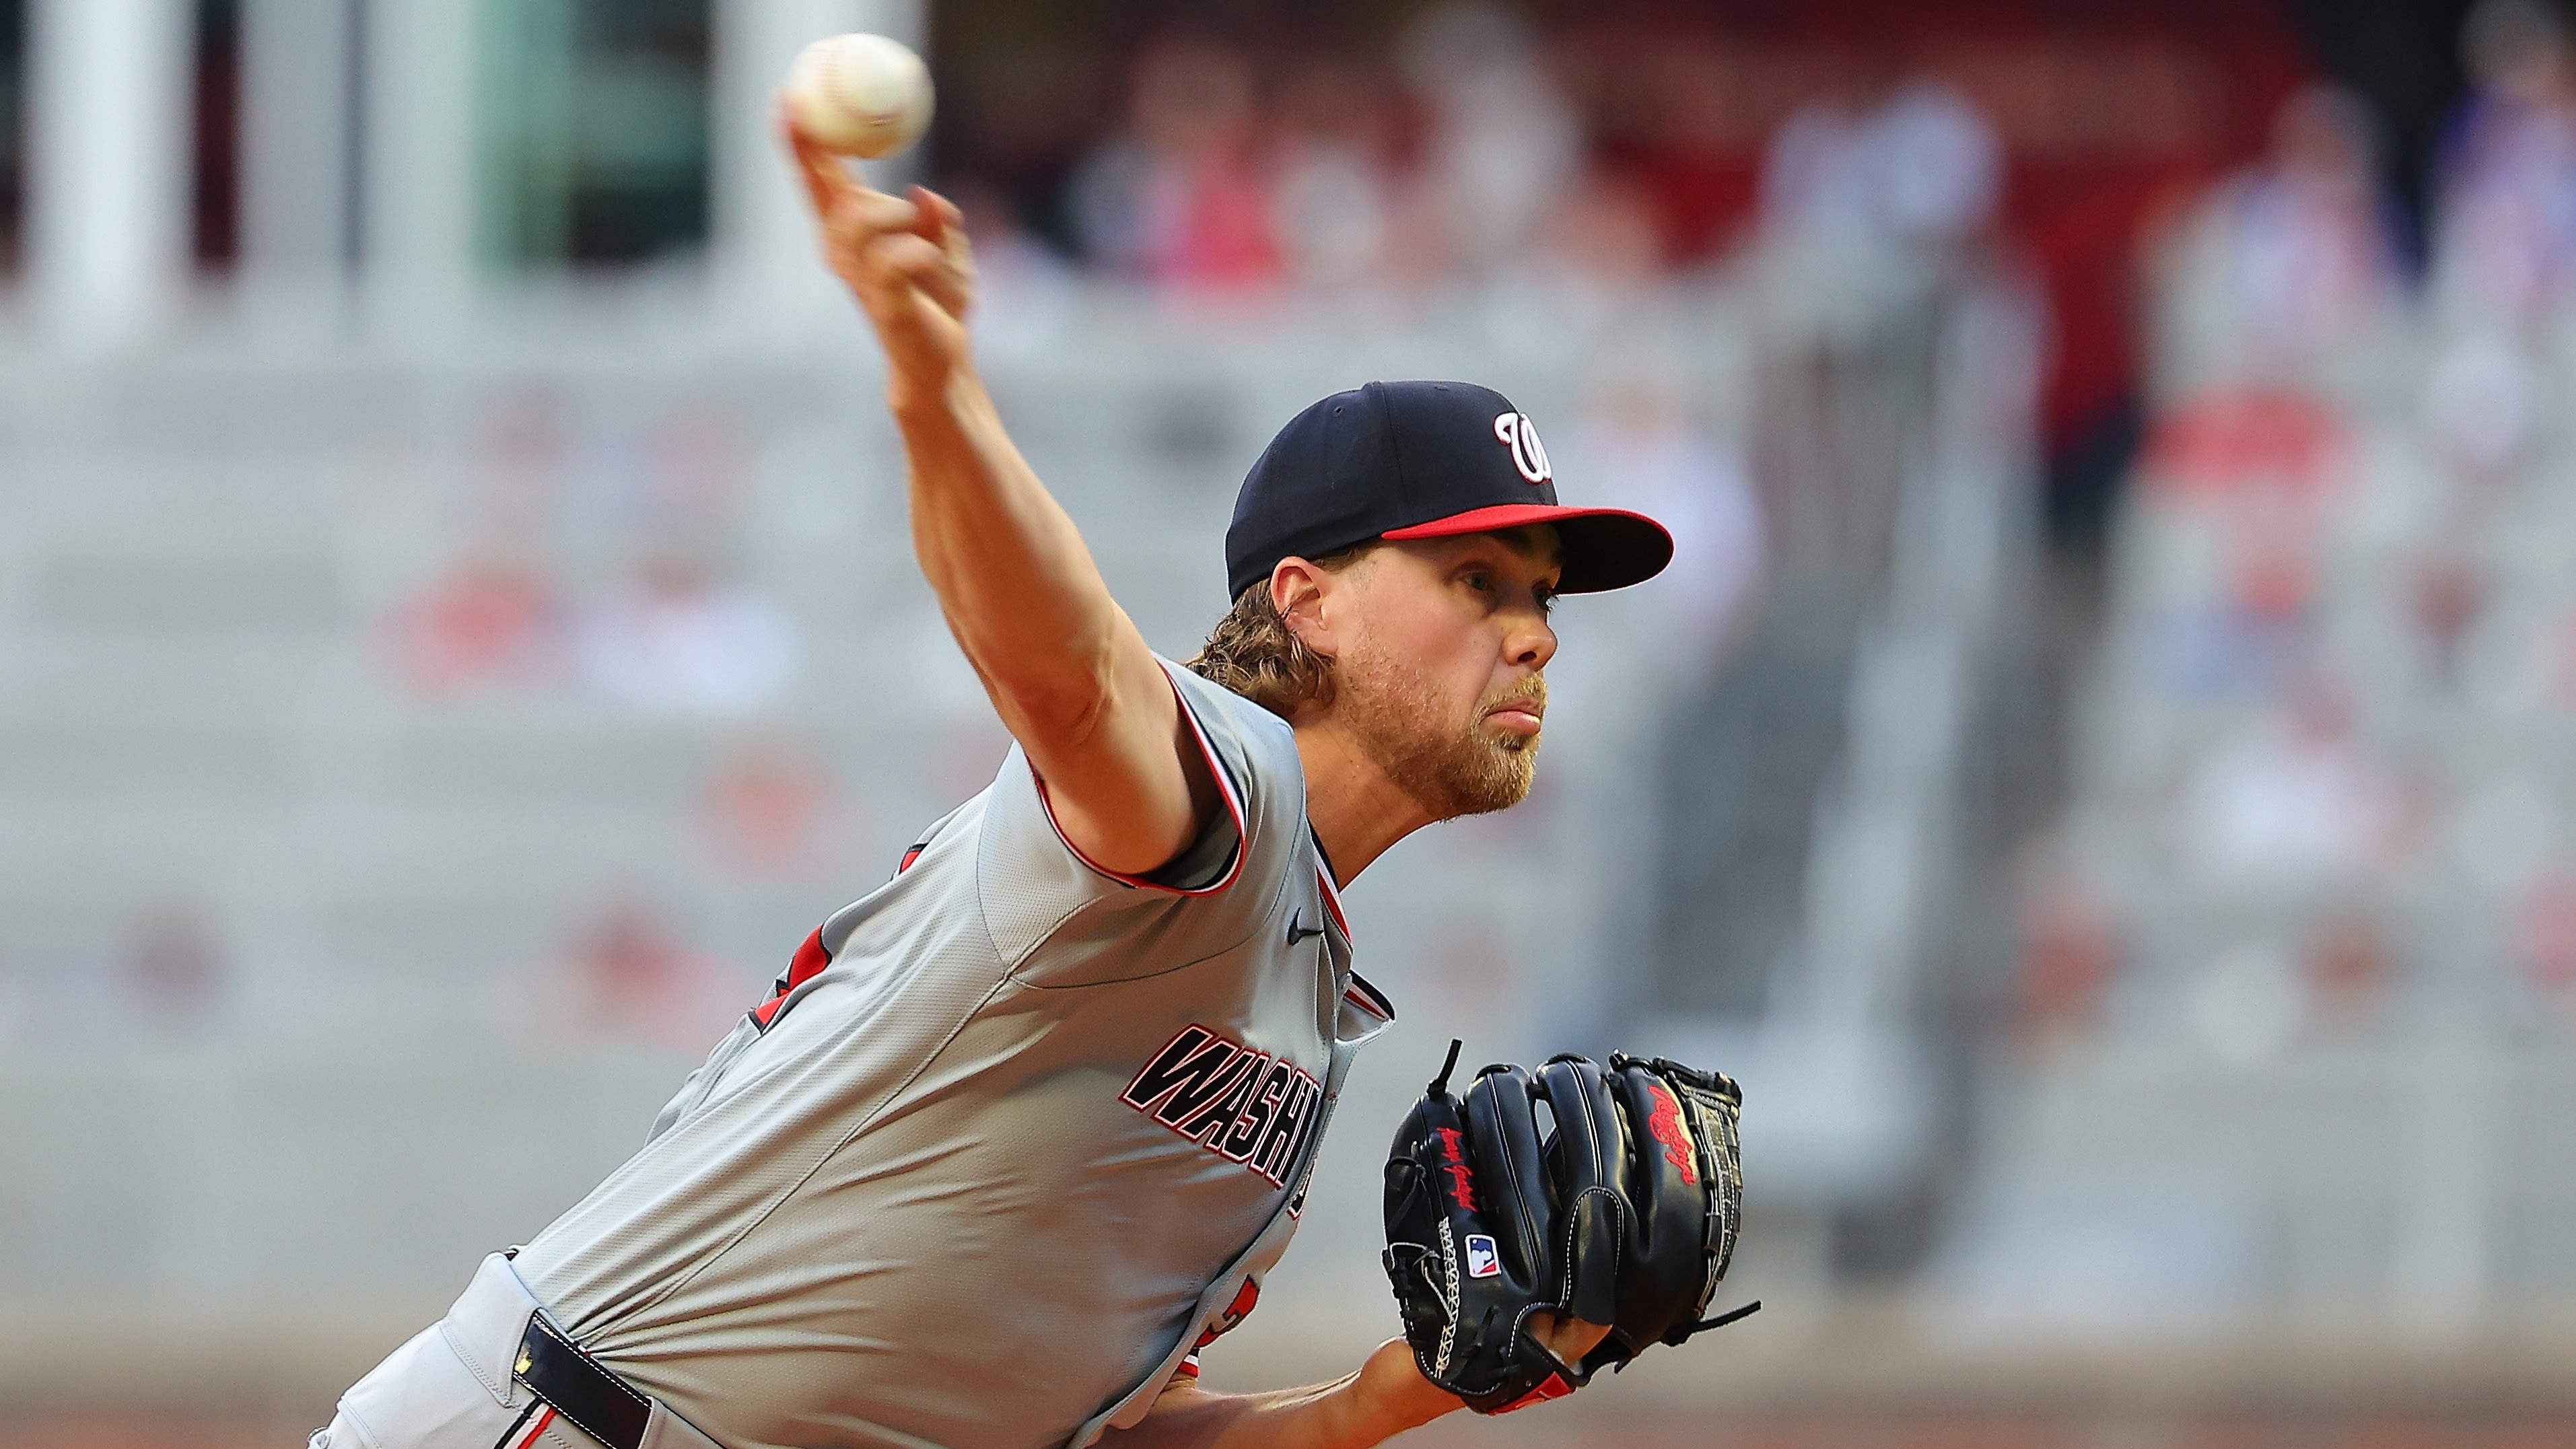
x=1519 y=434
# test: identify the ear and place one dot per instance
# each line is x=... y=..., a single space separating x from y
x=1298 y=591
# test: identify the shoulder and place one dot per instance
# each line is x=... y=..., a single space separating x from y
x=1257 y=746
x=1252 y=754
x=1031 y=881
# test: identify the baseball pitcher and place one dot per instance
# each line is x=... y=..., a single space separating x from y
x=1019 y=1132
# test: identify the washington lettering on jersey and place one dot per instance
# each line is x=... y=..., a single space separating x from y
x=1244 y=1105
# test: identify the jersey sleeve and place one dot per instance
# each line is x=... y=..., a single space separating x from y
x=1031 y=880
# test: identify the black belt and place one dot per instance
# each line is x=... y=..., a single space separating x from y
x=574 y=1385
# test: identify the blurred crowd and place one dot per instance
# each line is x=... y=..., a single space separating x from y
x=666 y=621
x=170 y=979
x=2326 y=790
x=1480 y=151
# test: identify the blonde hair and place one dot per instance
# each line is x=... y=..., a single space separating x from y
x=1253 y=652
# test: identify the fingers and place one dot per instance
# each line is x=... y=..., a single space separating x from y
x=873 y=213
x=945 y=286
x=941 y=221
x=826 y=181
x=1569 y=1338
x=911 y=258
x=854 y=214
x=862 y=221
x=830 y=187
x=944 y=226
x=892 y=266
x=894 y=252
x=874 y=240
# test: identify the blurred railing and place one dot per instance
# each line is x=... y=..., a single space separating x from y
x=1818 y=868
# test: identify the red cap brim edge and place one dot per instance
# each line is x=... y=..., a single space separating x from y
x=1604 y=548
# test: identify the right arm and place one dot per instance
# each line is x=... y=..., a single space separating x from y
x=1066 y=669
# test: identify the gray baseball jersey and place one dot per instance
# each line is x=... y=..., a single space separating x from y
x=1014 y=1136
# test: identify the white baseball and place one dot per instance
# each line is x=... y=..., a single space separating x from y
x=860 y=95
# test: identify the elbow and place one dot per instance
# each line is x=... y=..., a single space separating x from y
x=1062 y=702
x=1064 y=714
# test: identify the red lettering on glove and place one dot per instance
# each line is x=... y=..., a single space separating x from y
x=1665 y=1122
x=1462 y=1179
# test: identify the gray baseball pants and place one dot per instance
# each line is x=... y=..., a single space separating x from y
x=451 y=1386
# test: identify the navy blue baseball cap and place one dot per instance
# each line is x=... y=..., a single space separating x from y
x=1422 y=460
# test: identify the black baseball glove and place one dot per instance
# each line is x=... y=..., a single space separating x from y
x=1621 y=1209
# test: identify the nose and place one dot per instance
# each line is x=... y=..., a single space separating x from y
x=1530 y=641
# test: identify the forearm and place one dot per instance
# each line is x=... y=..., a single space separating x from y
x=1066 y=669
x=1309 y=1418
x=1379 y=1402
x=1013 y=576
x=1320 y=1416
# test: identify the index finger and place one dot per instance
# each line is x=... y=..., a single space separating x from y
x=826 y=181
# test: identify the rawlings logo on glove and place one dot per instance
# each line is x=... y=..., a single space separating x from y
x=1623 y=1212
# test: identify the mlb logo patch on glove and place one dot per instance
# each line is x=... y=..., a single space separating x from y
x=1483 y=1259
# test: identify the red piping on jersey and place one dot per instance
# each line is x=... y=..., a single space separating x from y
x=543 y=1420
x=1225 y=787
x=1240 y=1308
x=809 y=961
x=1333 y=901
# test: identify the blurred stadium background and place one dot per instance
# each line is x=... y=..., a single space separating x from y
x=2101 y=773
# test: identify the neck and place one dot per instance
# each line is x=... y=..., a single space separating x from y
x=1357 y=811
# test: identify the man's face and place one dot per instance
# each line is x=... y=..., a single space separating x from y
x=1439 y=673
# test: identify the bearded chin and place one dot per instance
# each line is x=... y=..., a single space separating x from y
x=1474 y=771
x=1496 y=771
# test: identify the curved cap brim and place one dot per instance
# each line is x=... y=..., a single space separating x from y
x=1604 y=548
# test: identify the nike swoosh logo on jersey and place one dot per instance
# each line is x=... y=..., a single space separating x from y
x=1298 y=930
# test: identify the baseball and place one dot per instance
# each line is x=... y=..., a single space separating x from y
x=860 y=95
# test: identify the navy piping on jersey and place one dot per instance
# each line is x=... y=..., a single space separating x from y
x=1368 y=998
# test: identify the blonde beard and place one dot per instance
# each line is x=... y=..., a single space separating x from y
x=1391 y=706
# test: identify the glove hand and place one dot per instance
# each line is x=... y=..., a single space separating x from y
x=1547 y=1225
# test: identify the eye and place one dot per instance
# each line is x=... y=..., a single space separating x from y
x=1547 y=598
x=1479 y=580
